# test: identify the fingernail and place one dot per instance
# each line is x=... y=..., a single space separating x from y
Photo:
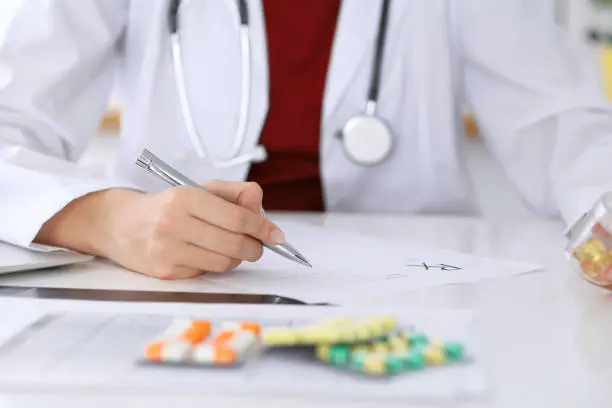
x=262 y=212
x=277 y=236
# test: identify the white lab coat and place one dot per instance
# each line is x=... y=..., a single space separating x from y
x=538 y=103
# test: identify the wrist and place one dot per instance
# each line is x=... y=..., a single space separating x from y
x=84 y=224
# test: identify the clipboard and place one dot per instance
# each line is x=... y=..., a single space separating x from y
x=114 y=295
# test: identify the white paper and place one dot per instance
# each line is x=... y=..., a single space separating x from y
x=15 y=259
x=97 y=343
x=352 y=267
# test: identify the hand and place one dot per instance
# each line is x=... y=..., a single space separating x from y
x=177 y=233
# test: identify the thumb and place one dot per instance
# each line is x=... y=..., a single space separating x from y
x=248 y=195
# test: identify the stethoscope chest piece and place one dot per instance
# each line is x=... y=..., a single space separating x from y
x=367 y=140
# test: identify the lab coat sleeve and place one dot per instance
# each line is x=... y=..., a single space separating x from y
x=538 y=100
x=57 y=63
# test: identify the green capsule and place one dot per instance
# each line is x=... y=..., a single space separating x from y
x=339 y=355
x=413 y=360
x=357 y=359
x=418 y=339
x=454 y=351
x=393 y=364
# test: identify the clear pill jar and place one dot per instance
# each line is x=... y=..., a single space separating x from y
x=589 y=246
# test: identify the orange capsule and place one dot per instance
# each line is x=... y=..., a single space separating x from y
x=153 y=351
x=197 y=332
x=224 y=356
x=223 y=337
x=252 y=327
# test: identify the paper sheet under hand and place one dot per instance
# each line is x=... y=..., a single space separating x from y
x=350 y=267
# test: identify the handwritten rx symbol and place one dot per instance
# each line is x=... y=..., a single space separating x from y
x=443 y=267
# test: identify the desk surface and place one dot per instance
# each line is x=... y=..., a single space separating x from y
x=547 y=336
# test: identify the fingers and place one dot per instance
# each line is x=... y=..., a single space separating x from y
x=229 y=216
x=197 y=258
x=248 y=195
x=180 y=260
x=201 y=234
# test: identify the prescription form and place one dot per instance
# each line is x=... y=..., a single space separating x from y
x=97 y=345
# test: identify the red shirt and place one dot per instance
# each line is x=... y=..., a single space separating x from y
x=300 y=35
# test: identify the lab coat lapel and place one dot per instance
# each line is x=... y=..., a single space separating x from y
x=259 y=73
x=355 y=35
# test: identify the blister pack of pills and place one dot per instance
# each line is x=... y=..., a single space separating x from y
x=401 y=352
x=331 y=331
x=373 y=346
x=199 y=342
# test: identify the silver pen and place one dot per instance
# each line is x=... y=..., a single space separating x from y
x=158 y=167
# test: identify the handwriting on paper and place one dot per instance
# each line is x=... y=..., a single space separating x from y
x=423 y=266
x=443 y=267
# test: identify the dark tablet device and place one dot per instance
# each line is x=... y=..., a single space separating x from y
x=146 y=296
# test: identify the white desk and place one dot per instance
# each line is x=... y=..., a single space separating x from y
x=547 y=336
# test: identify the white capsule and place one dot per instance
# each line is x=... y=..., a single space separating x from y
x=242 y=342
x=203 y=354
x=175 y=352
x=177 y=327
x=233 y=326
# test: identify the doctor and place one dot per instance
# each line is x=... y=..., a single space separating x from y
x=332 y=105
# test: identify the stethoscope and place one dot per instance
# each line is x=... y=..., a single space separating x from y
x=367 y=139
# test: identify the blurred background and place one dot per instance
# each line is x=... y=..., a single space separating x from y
x=587 y=22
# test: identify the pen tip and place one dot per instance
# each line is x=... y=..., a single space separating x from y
x=303 y=260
